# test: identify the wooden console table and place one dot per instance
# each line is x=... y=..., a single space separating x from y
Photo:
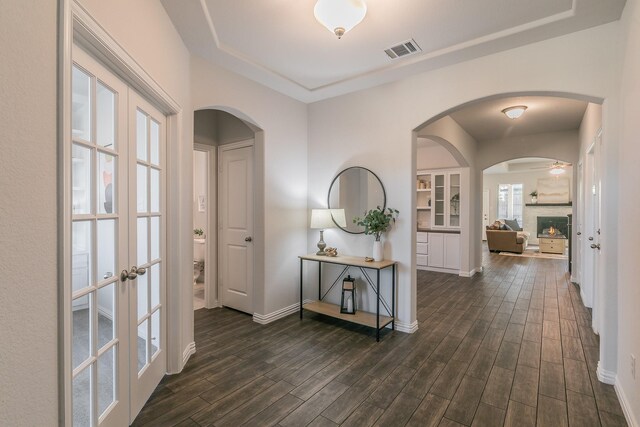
x=373 y=320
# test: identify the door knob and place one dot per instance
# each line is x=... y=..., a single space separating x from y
x=130 y=275
x=579 y=233
x=594 y=246
x=248 y=239
x=591 y=239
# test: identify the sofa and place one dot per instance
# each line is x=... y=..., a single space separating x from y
x=507 y=240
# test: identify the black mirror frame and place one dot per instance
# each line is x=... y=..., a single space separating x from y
x=384 y=194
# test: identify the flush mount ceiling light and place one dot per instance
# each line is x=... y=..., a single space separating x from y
x=557 y=168
x=340 y=16
x=515 y=111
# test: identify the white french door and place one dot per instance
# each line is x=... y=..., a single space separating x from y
x=115 y=172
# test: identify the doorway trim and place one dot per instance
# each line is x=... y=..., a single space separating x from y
x=211 y=298
x=75 y=24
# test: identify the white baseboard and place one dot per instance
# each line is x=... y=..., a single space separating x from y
x=626 y=405
x=470 y=273
x=439 y=270
x=186 y=354
x=263 y=319
x=409 y=328
x=607 y=377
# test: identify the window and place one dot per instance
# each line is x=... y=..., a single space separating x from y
x=510 y=202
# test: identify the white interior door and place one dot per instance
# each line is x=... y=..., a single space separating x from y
x=576 y=268
x=235 y=213
x=594 y=247
x=146 y=248
x=588 y=254
x=115 y=170
x=485 y=213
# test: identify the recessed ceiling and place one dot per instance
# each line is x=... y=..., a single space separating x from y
x=484 y=120
x=280 y=44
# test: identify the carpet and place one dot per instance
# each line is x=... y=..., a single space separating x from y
x=533 y=253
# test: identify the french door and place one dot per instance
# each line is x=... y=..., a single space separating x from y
x=117 y=314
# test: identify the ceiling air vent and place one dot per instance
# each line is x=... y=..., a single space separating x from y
x=403 y=49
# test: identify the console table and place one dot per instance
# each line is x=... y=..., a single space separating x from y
x=373 y=320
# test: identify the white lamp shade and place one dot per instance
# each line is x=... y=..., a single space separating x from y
x=324 y=218
x=557 y=171
x=340 y=14
x=515 y=112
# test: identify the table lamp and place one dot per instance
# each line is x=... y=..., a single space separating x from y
x=321 y=219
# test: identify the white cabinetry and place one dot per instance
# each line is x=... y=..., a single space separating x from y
x=438 y=194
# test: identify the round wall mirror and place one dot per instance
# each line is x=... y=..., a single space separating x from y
x=356 y=190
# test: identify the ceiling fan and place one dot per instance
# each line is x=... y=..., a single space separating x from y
x=555 y=168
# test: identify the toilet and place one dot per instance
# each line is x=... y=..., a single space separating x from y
x=198 y=259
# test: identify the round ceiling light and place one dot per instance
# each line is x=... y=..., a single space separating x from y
x=340 y=16
x=515 y=111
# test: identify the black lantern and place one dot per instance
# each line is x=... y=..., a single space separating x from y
x=348 y=301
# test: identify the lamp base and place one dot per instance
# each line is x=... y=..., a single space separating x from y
x=321 y=244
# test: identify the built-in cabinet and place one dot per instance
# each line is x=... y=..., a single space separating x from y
x=438 y=215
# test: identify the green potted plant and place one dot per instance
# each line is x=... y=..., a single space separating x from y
x=375 y=222
x=198 y=233
x=534 y=196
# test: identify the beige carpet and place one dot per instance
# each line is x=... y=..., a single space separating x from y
x=533 y=253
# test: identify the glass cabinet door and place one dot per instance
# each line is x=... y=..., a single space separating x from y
x=439 y=205
x=454 y=200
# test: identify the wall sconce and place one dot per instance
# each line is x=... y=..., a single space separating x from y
x=348 y=300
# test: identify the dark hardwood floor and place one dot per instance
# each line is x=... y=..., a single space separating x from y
x=511 y=346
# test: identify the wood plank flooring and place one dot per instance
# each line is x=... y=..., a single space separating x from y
x=511 y=346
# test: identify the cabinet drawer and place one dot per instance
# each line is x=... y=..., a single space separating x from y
x=422 y=237
x=422 y=260
x=558 y=242
x=422 y=248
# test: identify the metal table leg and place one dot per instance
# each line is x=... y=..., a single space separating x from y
x=301 y=299
x=393 y=297
x=378 y=308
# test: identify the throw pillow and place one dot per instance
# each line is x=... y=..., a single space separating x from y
x=513 y=223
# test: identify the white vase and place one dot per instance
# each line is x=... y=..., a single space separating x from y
x=378 y=254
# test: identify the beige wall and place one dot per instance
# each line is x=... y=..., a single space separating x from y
x=28 y=227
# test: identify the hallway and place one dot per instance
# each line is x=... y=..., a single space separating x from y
x=511 y=346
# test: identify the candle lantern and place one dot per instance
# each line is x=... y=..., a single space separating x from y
x=348 y=300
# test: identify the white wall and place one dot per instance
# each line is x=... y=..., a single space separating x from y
x=28 y=223
x=629 y=214
x=378 y=135
x=284 y=125
x=434 y=157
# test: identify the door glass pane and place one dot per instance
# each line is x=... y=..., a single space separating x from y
x=155 y=190
x=106 y=248
x=106 y=314
x=81 y=105
x=155 y=142
x=105 y=116
x=154 y=277
x=155 y=332
x=143 y=295
x=439 y=200
x=81 y=319
x=106 y=183
x=106 y=379
x=81 y=254
x=141 y=135
x=82 y=398
x=142 y=344
x=155 y=237
x=454 y=200
x=143 y=250
x=81 y=179
x=142 y=188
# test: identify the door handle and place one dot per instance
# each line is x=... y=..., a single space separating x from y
x=591 y=239
x=248 y=239
x=130 y=275
x=579 y=233
x=594 y=246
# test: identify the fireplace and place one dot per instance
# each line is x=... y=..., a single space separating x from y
x=558 y=223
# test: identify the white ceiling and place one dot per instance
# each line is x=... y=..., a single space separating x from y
x=280 y=44
x=484 y=120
